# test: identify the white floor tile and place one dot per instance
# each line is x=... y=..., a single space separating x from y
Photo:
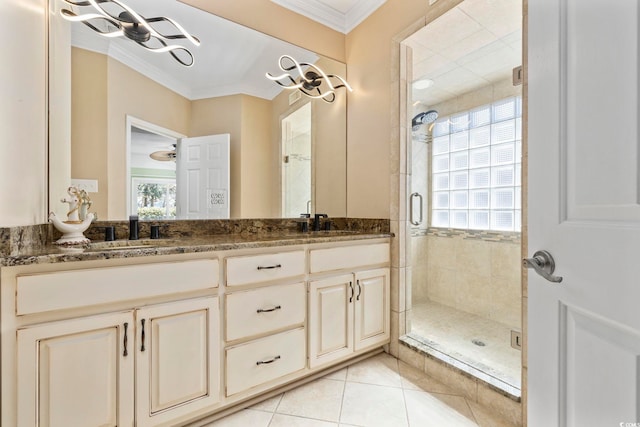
x=340 y=375
x=320 y=399
x=379 y=370
x=244 y=418
x=373 y=406
x=426 y=410
x=268 y=405
x=281 y=420
x=404 y=396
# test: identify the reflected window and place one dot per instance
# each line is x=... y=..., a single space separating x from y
x=154 y=198
x=476 y=168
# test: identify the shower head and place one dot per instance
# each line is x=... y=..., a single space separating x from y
x=424 y=118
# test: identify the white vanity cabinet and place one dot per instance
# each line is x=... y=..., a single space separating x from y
x=75 y=372
x=265 y=323
x=177 y=360
x=348 y=312
x=82 y=371
x=90 y=352
x=169 y=339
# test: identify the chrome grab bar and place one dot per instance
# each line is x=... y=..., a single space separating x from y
x=411 y=198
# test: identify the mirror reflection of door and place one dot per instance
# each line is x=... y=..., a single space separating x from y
x=203 y=177
x=296 y=163
x=153 y=179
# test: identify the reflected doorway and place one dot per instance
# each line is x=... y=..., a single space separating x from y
x=296 y=163
x=152 y=171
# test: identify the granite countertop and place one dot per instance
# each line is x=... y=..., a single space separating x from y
x=98 y=250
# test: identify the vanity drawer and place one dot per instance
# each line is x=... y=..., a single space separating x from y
x=79 y=288
x=262 y=310
x=264 y=267
x=265 y=359
x=344 y=257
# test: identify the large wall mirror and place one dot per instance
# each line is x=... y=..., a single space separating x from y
x=121 y=115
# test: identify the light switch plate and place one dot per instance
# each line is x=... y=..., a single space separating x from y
x=88 y=185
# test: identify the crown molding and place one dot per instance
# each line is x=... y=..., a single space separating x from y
x=330 y=17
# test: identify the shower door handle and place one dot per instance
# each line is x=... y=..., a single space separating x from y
x=412 y=198
x=543 y=263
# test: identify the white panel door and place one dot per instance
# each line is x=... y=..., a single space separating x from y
x=584 y=208
x=330 y=319
x=202 y=177
x=372 y=308
x=77 y=372
x=177 y=359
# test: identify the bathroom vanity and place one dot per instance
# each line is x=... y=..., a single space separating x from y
x=177 y=331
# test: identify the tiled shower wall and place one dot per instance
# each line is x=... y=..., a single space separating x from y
x=471 y=274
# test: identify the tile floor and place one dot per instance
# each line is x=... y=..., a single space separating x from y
x=451 y=331
x=380 y=391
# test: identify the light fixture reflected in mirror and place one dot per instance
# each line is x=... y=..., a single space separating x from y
x=133 y=26
x=314 y=82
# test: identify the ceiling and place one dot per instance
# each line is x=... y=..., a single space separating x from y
x=231 y=59
x=473 y=45
x=340 y=15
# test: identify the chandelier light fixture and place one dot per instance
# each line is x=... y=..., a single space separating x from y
x=133 y=26
x=314 y=82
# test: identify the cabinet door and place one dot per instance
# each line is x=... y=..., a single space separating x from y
x=77 y=372
x=372 y=308
x=177 y=360
x=330 y=319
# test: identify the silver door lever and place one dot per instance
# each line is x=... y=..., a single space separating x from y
x=543 y=263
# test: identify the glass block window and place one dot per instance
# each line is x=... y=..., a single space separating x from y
x=476 y=165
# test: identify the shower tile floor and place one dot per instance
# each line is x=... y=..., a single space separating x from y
x=452 y=332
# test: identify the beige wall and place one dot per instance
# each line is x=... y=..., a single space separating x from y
x=247 y=119
x=105 y=92
x=329 y=146
x=376 y=94
x=89 y=125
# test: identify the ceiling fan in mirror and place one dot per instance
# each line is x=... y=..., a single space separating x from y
x=112 y=18
x=165 y=155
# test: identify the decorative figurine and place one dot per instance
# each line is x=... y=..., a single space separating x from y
x=78 y=220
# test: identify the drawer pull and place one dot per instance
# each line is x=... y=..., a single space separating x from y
x=268 y=310
x=142 y=336
x=266 y=362
x=124 y=344
x=269 y=267
x=359 y=290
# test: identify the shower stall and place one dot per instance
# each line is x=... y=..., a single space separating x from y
x=465 y=191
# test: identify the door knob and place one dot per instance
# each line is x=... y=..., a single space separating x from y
x=543 y=263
